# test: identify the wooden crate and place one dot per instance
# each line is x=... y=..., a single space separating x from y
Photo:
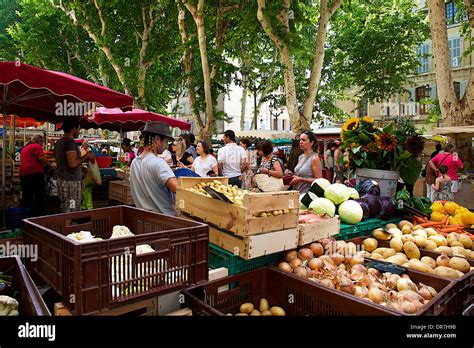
x=236 y=219
x=254 y=246
x=120 y=191
x=313 y=232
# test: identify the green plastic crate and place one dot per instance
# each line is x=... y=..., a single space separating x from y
x=363 y=228
x=219 y=257
x=17 y=233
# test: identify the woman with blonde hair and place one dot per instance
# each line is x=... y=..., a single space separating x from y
x=183 y=158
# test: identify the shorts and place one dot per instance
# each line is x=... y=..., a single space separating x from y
x=454 y=186
x=69 y=193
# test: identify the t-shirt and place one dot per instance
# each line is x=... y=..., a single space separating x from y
x=231 y=156
x=166 y=155
x=65 y=172
x=29 y=160
x=148 y=177
x=449 y=160
x=204 y=166
x=184 y=159
x=129 y=156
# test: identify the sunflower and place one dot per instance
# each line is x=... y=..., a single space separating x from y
x=368 y=119
x=414 y=144
x=351 y=124
x=386 y=141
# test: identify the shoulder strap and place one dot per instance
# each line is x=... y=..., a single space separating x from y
x=440 y=163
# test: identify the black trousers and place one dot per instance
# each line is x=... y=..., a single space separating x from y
x=34 y=194
x=235 y=181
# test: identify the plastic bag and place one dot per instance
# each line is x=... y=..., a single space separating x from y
x=94 y=169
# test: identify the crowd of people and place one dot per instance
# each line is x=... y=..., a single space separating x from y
x=155 y=163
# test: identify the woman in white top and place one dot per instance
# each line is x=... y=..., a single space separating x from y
x=204 y=163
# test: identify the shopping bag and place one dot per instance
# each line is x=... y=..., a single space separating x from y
x=95 y=171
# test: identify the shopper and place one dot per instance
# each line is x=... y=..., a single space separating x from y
x=438 y=151
x=451 y=160
x=127 y=151
x=189 y=146
x=205 y=164
x=442 y=186
x=329 y=161
x=338 y=167
x=183 y=158
x=252 y=160
x=270 y=164
x=152 y=181
x=232 y=160
x=309 y=165
x=140 y=148
x=69 y=161
x=32 y=178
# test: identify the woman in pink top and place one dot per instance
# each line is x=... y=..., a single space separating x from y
x=451 y=160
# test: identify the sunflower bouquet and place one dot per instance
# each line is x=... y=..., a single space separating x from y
x=394 y=147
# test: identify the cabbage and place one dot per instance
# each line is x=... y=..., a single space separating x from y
x=323 y=183
x=337 y=193
x=353 y=194
x=302 y=206
x=365 y=208
x=374 y=203
x=323 y=206
x=369 y=186
x=387 y=208
x=306 y=199
x=350 y=212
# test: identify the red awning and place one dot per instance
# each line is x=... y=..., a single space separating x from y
x=21 y=121
x=44 y=94
x=116 y=119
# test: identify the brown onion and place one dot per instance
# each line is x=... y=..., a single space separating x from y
x=317 y=249
x=290 y=255
x=315 y=263
x=406 y=284
x=351 y=249
x=296 y=263
x=328 y=283
x=409 y=307
x=407 y=295
x=325 y=241
x=376 y=295
x=305 y=254
x=359 y=267
x=341 y=247
x=301 y=272
x=285 y=266
x=337 y=258
x=392 y=281
x=374 y=272
x=357 y=259
x=326 y=258
x=361 y=291
x=425 y=293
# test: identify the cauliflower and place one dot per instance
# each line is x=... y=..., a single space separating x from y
x=143 y=249
x=120 y=231
x=81 y=237
x=8 y=306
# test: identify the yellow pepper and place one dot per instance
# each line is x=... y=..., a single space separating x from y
x=455 y=220
x=461 y=210
x=438 y=208
x=437 y=217
x=451 y=207
x=467 y=218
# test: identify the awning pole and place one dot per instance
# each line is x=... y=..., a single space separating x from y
x=4 y=134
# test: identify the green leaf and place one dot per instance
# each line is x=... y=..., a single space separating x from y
x=410 y=172
x=356 y=149
x=358 y=162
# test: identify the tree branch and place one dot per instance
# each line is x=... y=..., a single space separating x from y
x=101 y=18
x=267 y=27
x=335 y=6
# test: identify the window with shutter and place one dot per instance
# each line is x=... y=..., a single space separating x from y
x=421 y=93
x=454 y=45
x=423 y=52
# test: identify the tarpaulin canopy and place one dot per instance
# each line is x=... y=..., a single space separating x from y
x=21 y=121
x=133 y=120
x=459 y=132
x=28 y=91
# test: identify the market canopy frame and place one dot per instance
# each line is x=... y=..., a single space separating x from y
x=457 y=132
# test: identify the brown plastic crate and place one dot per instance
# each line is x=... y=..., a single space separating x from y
x=97 y=276
x=461 y=290
x=296 y=296
x=120 y=191
x=30 y=301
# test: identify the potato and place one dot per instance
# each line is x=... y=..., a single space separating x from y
x=396 y=244
x=406 y=264
x=439 y=240
x=389 y=226
x=266 y=314
x=458 y=251
x=241 y=315
x=255 y=313
x=444 y=250
x=406 y=229
x=430 y=245
x=420 y=241
x=246 y=308
x=380 y=250
x=277 y=311
x=466 y=241
x=407 y=238
x=389 y=252
x=452 y=237
x=367 y=254
x=429 y=261
x=471 y=254
x=460 y=274
x=459 y=264
x=446 y=272
x=411 y=250
x=397 y=259
x=402 y=255
x=395 y=232
x=416 y=227
x=431 y=232
x=381 y=234
x=370 y=244
x=376 y=256
x=420 y=266
x=419 y=233
x=264 y=306
x=456 y=243
x=404 y=223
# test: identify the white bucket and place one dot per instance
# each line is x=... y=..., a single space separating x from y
x=386 y=179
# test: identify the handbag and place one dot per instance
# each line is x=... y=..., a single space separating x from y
x=268 y=183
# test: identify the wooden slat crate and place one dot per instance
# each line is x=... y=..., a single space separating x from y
x=239 y=220
x=313 y=232
x=120 y=191
x=254 y=246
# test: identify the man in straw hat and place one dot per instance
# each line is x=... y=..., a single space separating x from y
x=153 y=183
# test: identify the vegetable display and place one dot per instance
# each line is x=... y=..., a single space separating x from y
x=337 y=193
x=8 y=303
x=232 y=192
x=368 y=186
x=323 y=206
x=342 y=268
x=387 y=208
x=263 y=309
